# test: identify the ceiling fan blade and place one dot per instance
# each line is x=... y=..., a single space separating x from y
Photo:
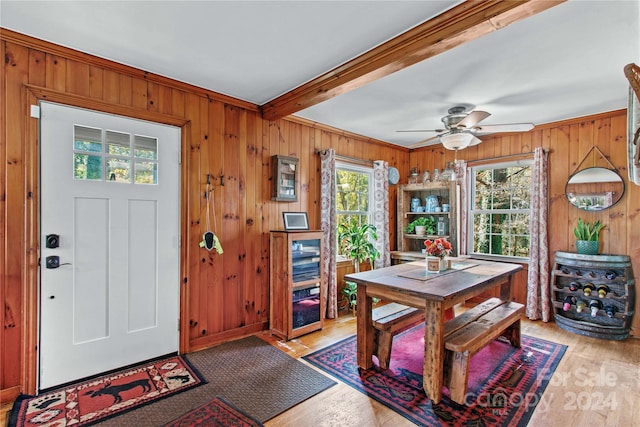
x=474 y=141
x=422 y=130
x=423 y=142
x=513 y=127
x=472 y=119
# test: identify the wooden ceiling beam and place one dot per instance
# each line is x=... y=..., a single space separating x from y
x=463 y=23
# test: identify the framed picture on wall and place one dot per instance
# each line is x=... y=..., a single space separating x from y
x=295 y=220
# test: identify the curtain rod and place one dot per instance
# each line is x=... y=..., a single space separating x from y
x=348 y=159
x=507 y=157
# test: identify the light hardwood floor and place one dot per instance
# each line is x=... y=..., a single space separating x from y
x=597 y=383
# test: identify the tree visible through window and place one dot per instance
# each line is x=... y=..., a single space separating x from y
x=353 y=195
x=500 y=210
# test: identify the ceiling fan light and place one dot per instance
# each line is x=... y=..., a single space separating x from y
x=456 y=141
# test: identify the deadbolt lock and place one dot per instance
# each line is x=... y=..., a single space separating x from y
x=52 y=241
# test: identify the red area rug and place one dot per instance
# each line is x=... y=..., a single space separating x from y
x=505 y=383
x=217 y=413
x=95 y=400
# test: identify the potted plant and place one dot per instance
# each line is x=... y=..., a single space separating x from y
x=422 y=225
x=588 y=237
x=356 y=243
x=350 y=293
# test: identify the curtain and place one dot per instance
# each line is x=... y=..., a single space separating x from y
x=538 y=294
x=460 y=169
x=380 y=212
x=329 y=231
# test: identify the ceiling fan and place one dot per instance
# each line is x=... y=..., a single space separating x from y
x=461 y=127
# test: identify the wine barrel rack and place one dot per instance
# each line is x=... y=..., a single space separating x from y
x=571 y=272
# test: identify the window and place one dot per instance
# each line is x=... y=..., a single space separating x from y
x=499 y=209
x=353 y=194
x=114 y=159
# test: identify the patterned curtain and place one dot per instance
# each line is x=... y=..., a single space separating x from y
x=538 y=294
x=380 y=212
x=460 y=169
x=329 y=229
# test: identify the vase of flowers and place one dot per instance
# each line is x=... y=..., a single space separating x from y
x=437 y=251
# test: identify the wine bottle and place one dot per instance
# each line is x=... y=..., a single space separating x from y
x=587 y=288
x=610 y=274
x=574 y=286
x=611 y=310
x=595 y=306
x=592 y=274
x=603 y=290
x=566 y=304
x=580 y=305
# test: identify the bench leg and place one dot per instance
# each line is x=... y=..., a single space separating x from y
x=383 y=351
x=457 y=374
x=512 y=333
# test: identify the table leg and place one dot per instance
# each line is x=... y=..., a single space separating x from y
x=433 y=375
x=505 y=288
x=365 y=332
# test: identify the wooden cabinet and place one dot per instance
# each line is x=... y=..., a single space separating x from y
x=296 y=276
x=285 y=178
x=410 y=245
x=604 y=281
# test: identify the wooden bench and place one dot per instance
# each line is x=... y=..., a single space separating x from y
x=388 y=321
x=466 y=334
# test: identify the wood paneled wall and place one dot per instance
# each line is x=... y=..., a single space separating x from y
x=571 y=147
x=226 y=296
x=222 y=296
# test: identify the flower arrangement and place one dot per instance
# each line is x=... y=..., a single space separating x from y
x=438 y=247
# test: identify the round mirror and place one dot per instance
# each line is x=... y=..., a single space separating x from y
x=594 y=189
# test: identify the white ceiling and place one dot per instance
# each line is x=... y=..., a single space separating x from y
x=562 y=63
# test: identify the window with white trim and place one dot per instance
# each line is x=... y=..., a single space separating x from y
x=353 y=194
x=108 y=155
x=500 y=209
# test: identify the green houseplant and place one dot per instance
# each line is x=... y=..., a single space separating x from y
x=429 y=222
x=356 y=243
x=588 y=236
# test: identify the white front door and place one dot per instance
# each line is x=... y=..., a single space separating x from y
x=110 y=192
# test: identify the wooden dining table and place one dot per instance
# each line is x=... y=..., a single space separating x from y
x=410 y=284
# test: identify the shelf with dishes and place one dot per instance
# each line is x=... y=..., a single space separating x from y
x=436 y=202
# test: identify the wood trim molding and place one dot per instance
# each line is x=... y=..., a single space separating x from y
x=460 y=24
x=44 y=94
x=75 y=55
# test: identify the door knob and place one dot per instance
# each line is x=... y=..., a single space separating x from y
x=53 y=261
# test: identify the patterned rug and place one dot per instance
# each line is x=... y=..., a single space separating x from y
x=95 y=400
x=505 y=383
x=217 y=413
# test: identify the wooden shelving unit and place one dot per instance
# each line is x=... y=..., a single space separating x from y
x=295 y=278
x=410 y=245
